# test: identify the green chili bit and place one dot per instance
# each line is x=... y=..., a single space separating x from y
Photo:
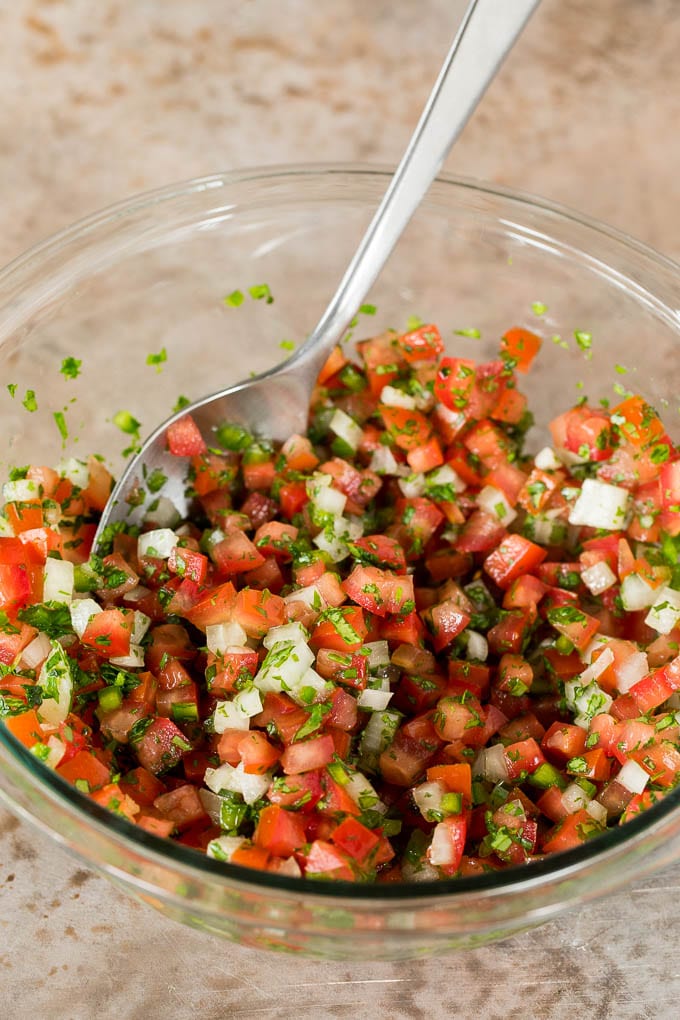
x=29 y=401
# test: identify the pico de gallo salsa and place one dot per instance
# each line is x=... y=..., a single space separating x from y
x=396 y=648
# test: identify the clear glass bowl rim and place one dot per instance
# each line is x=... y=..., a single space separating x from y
x=167 y=852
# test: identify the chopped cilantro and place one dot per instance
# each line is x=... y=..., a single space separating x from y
x=29 y=401
x=70 y=368
x=157 y=359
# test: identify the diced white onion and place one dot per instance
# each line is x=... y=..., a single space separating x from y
x=137 y=593
x=413 y=486
x=249 y=702
x=597 y=811
x=55 y=675
x=284 y=667
x=593 y=646
x=346 y=428
x=294 y=632
x=587 y=700
x=140 y=625
x=547 y=460
x=359 y=787
x=494 y=502
x=445 y=475
x=383 y=462
x=82 y=611
x=374 y=701
x=58 y=581
x=220 y=636
x=20 y=491
x=633 y=777
x=490 y=764
x=164 y=513
x=76 y=471
x=311 y=680
x=212 y=805
x=311 y=596
x=601 y=505
x=428 y=798
x=636 y=594
x=133 y=660
x=378 y=654
x=394 y=397
x=289 y=867
x=477 y=646
x=228 y=716
x=598 y=578
x=597 y=667
x=664 y=615
x=224 y=847
x=226 y=777
x=574 y=798
x=330 y=501
x=6 y=529
x=56 y=749
x=159 y=542
x=441 y=852
x=631 y=671
x=36 y=651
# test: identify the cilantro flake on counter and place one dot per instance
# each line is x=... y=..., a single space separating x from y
x=157 y=359
x=29 y=401
x=70 y=368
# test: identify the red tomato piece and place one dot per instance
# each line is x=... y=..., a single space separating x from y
x=184 y=438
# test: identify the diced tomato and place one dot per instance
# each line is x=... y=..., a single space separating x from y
x=25 y=727
x=521 y=346
x=514 y=556
x=426 y=457
x=189 y=564
x=257 y=753
x=258 y=611
x=182 y=806
x=422 y=344
x=342 y=630
x=184 y=438
x=279 y=831
x=410 y=429
x=85 y=767
x=108 y=633
x=381 y=551
x=355 y=839
x=563 y=741
x=380 y=591
x=161 y=746
x=293 y=497
x=308 y=755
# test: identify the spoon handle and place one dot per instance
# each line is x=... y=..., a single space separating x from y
x=486 y=34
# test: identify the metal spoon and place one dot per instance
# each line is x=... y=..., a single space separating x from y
x=275 y=404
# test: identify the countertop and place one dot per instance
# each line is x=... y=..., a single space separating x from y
x=101 y=100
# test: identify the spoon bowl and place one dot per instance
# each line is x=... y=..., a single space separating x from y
x=274 y=405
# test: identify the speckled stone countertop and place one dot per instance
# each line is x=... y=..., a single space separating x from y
x=102 y=100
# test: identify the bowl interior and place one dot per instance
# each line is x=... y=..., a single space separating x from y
x=150 y=278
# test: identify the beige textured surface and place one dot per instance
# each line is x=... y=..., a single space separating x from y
x=103 y=99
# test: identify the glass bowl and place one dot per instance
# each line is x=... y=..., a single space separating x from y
x=150 y=275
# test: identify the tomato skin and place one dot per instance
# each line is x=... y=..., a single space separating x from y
x=355 y=839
